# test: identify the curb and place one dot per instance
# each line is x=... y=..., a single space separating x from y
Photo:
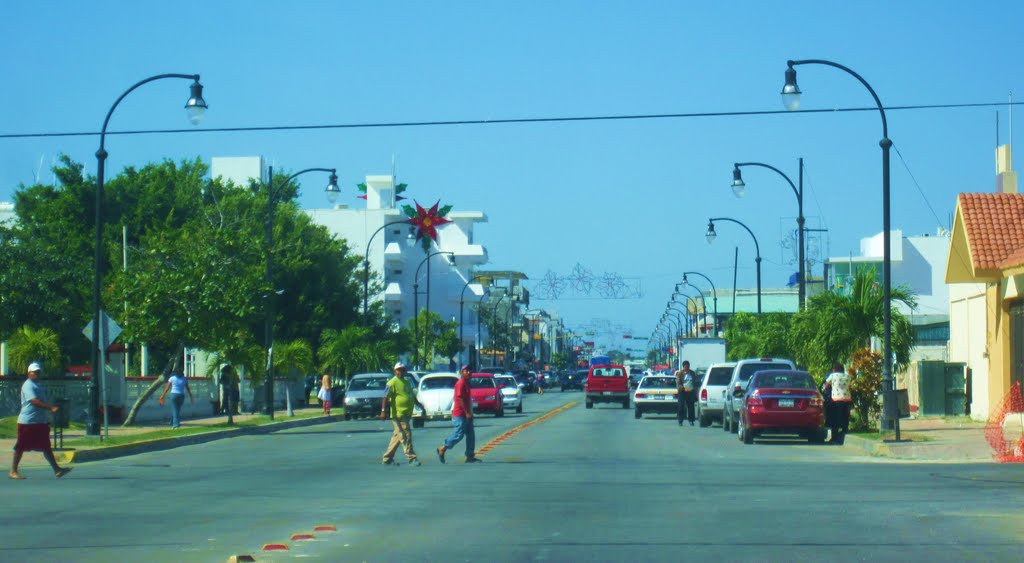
x=921 y=451
x=97 y=454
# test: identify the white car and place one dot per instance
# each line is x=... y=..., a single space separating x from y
x=436 y=393
x=655 y=393
x=711 y=396
x=511 y=393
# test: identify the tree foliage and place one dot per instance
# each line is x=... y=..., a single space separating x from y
x=752 y=336
x=29 y=345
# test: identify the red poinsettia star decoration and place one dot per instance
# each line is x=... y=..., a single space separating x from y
x=427 y=220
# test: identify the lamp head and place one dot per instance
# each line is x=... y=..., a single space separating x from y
x=410 y=239
x=710 y=235
x=739 y=187
x=332 y=183
x=333 y=191
x=196 y=106
x=685 y=281
x=791 y=92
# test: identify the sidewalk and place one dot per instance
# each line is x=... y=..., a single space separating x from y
x=245 y=424
x=955 y=440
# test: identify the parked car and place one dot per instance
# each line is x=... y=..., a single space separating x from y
x=712 y=394
x=486 y=396
x=365 y=394
x=608 y=383
x=512 y=395
x=655 y=393
x=436 y=392
x=740 y=377
x=781 y=402
x=574 y=379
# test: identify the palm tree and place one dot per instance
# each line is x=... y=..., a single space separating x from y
x=295 y=357
x=835 y=325
x=31 y=345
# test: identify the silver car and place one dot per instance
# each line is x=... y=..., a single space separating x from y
x=365 y=394
x=712 y=393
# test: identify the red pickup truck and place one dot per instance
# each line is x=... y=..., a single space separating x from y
x=607 y=383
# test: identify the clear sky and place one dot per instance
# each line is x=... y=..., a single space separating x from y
x=627 y=197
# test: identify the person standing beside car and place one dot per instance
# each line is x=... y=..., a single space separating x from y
x=399 y=401
x=462 y=419
x=686 y=389
x=837 y=384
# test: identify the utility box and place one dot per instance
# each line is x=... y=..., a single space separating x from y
x=942 y=388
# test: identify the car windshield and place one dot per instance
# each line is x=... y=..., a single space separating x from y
x=506 y=381
x=438 y=383
x=607 y=372
x=784 y=380
x=719 y=376
x=367 y=383
x=658 y=383
x=746 y=370
x=481 y=382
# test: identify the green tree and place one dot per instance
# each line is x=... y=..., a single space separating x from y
x=31 y=345
x=753 y=336
x=865 y=371
x=294 y=360
x=834 y=325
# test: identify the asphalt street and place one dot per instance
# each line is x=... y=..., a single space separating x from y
x=581 y=485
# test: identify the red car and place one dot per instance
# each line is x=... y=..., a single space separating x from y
x=781 y=402
x=486 y=395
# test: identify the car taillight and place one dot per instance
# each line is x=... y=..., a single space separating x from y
x=755 y=400
x=641 y=395
x=817 y=402
x=704 y=394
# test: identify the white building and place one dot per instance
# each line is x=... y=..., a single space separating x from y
x=370 y=234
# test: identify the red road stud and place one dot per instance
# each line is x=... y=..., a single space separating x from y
x=275 y=547
x=325 y=529
x=302 y=537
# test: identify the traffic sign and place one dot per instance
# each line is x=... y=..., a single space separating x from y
x=110 y=331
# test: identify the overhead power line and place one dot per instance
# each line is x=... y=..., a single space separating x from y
x=449 y=123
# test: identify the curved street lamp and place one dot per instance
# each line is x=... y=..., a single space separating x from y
x=479 y=322
x=195 y=108
x=791 y=99
x=714 y=292
x=410 y=240
x=685 y=308
x=711 y=237
x=272 y=196
x=739 y=188
x=416 y=303
x=462 y=301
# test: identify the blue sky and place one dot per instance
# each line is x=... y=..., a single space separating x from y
x=629 y=197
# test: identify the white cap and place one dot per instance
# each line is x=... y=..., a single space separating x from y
x=399 y=365
x=34 y=366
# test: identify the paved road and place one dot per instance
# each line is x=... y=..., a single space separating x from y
x=582 y=485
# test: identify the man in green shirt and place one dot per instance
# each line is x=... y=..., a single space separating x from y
x=398 y=404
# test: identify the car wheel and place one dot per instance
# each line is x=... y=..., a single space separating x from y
x=519 y=409
x=726 y=422
x=704 y=421
x=637 y=413
x=744 y=433
x=418 y=423
x=590 y=405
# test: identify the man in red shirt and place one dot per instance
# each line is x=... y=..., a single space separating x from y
x=462 y=419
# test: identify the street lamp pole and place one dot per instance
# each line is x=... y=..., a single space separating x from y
x=462 y=301
x=196 y=109
x=714 y=293
x=711 y=237
x=272 y=195
x=494 y=320
x=791 y=99
x=332 y=196
x=739 y=188
x=416 y=304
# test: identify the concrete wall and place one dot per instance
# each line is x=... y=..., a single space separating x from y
x=968 y=327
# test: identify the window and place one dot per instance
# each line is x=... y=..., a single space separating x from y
x=658 y=383
x=367 y=383
x=438 y=383
x=608 y=372
x=481 y=382
x=720 y=376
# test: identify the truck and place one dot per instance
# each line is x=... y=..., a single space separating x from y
x=701 y=352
